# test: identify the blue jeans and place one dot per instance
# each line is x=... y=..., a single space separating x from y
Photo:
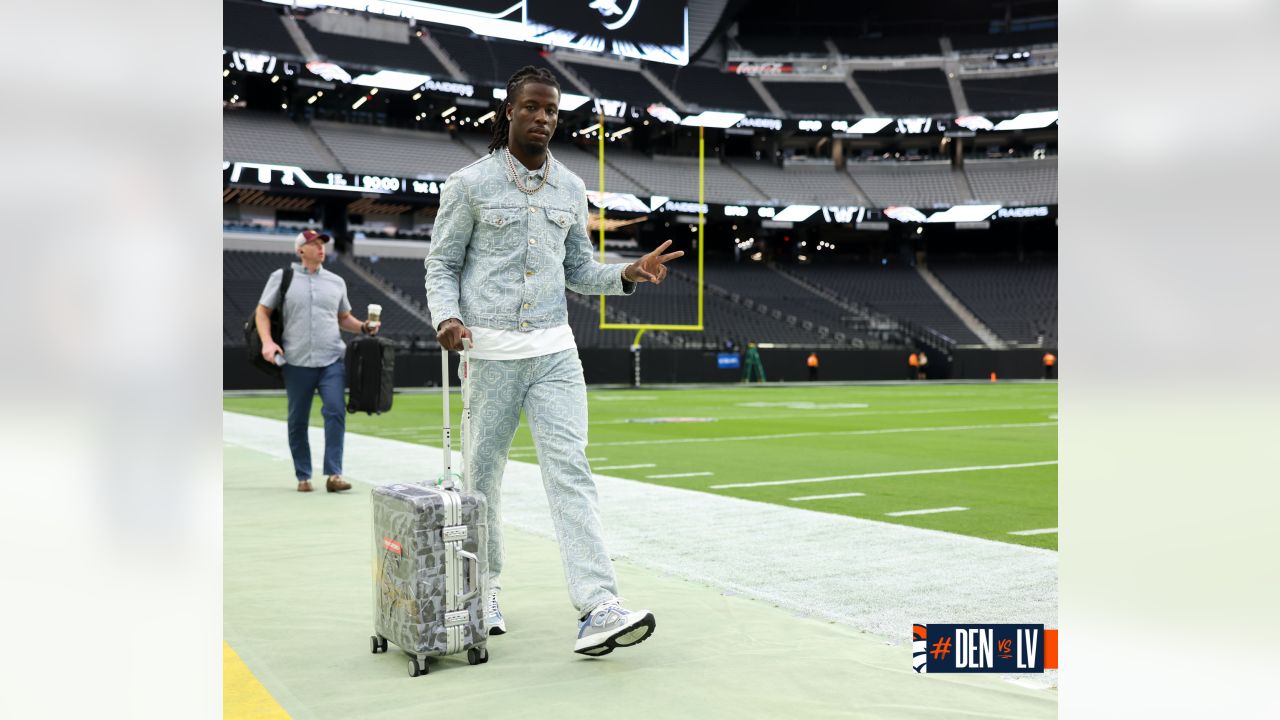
x=300 y=384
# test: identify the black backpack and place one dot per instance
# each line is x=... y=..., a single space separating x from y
x=371 y=369
x=253 y=342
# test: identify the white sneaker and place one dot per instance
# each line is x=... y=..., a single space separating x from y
x=611 y=626
x=493 y=622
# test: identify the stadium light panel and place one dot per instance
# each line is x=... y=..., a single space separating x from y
x=391 y=80
x=1029 y=121
x=713 y=119
x=964 y=213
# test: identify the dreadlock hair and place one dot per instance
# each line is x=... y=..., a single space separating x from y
x=526 y=74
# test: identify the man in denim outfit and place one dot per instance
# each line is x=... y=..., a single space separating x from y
x=510 y=236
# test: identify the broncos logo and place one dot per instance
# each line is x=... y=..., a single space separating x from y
x=919 y=649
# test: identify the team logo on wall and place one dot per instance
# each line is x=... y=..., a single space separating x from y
x=609 y=8
x=653 y=30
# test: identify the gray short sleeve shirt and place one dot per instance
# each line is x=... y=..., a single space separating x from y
x=311 y=334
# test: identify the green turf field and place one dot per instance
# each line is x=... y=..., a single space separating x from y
x=767 y=434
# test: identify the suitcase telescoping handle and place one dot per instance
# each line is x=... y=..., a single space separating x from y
x=464 y=367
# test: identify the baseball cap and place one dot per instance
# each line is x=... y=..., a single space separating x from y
x=307 y=236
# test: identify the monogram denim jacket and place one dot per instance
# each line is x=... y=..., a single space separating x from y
x=501 y=259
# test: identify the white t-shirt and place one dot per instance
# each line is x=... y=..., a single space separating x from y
x=488 y=344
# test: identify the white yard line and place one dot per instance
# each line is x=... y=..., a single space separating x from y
x=818 y=413
x=928 y=511
x=896 y=473
x=679 y=475
x=624 y=467
x=828 y=433
x=826 y=497
x=862 y=573
x=1042 y=531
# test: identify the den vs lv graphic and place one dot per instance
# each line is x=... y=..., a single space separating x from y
x=983 y=648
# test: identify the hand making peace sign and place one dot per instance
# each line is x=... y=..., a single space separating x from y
x=651 y=267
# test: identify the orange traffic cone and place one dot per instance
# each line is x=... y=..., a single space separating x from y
x=993 y=377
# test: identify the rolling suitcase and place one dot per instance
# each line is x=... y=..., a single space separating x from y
x=371 y=371
x=430 y=574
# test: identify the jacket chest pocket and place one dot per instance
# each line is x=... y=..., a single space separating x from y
x=559 y=222
x=499 y=228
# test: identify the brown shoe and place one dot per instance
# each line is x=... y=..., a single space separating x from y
x=335 y=483
x=304 y=486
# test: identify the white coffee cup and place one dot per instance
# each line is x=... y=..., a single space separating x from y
x=375 y=312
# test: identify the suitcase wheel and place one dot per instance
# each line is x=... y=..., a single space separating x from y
x=415 y=669
x=377 y=644
x=477 y=656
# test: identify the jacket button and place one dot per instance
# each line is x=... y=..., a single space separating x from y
x=533 y=210
x=525 y=306
x=532 y=241
x=524 y=324
x=528 y=273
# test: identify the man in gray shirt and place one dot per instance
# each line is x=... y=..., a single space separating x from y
x=315 y=307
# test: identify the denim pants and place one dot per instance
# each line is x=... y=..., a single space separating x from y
x=551 y=391
x=300 y=384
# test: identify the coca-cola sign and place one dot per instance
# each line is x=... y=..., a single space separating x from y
x=771 y=68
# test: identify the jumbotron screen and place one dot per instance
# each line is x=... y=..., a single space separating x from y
x=655 y=30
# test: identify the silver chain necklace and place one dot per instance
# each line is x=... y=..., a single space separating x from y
x=515 y=174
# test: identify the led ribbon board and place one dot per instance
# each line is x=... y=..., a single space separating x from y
x=654 y=30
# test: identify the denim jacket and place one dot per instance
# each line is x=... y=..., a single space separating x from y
x=501 y=259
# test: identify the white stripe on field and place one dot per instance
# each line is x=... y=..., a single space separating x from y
x=1042 y=531
x=596 y=459
x=624 y=467
x=679 y=475
x=867 y=578
x=827 y=497
x=858 y=413
x=896 y=473
x=928 y=511
x=735 y=438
